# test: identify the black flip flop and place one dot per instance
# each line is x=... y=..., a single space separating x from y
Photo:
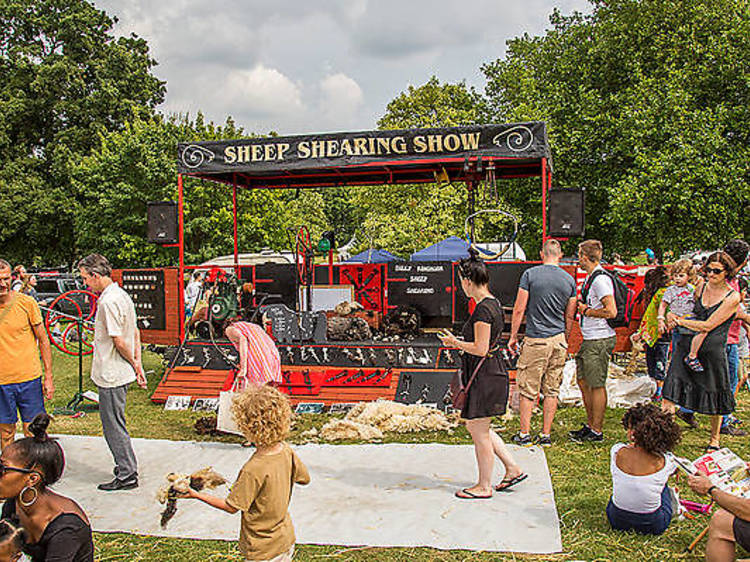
x=712 y=448
x=469 y=496
x=509 y=483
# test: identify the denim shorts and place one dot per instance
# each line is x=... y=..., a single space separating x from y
x=654 y=523
x=25 y=397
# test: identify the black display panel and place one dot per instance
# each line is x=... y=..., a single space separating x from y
x=278 y=279
x=426 y=286
x=146 y=288
x=504 y=280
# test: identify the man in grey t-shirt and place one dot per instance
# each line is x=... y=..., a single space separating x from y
x=547 y=294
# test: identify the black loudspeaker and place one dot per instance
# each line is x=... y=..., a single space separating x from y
x=566 y=212
x=162 y=222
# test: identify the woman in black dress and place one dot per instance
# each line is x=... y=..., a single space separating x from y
x=706 y=392
x=56 y=528
x=488 y=394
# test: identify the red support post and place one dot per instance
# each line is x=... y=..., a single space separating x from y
x=544 y=200
x=330 y=266
x=181 y=245
x=234 y=214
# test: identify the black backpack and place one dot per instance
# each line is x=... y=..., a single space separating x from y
x=624 y=297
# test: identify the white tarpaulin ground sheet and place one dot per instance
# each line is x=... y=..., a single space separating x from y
x=374 y=495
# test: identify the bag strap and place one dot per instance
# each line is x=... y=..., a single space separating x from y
x=481 y=361
x=6 y=310
x=587 y=285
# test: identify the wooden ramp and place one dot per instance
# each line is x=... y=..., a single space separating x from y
x=190 y=381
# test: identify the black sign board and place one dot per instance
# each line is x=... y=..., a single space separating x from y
x=146 y=288
x=425 y=285
x=504 y=280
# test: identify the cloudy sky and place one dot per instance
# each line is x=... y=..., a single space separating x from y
x=322 y=65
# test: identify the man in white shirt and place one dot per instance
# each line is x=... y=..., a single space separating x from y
x=192 y=292
x=116 y=363
x=597 y=304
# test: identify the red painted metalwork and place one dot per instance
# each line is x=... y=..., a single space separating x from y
x=181 y=280
x=234 y=216
x=544 y=200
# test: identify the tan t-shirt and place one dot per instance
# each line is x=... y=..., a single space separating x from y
x=262 y=492
x=19 y=354
x=115 y=316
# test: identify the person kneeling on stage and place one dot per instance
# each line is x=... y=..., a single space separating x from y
x=264 y=486
x=641 y=500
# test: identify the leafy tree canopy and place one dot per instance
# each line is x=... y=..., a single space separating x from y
x=64 y=81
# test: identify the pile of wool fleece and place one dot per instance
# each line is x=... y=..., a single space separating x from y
x=368 y=420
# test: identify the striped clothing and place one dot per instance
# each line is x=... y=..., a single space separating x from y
x=263 y=361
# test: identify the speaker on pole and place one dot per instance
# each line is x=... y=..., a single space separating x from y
x=566 y=212
x=162 y=222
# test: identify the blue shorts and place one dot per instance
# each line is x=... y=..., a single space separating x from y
x=25 y=397
x=654 y=523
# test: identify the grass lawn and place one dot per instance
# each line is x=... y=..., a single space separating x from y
x=580 y=476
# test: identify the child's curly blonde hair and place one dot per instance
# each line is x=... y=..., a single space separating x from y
x=683 y=266
x=263 y=415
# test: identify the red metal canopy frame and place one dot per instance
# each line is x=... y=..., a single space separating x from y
x=513 y=150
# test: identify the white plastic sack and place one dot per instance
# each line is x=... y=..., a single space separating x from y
x=622 y=391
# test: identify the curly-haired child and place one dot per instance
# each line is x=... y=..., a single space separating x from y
x=641 y=500
x=264 y=486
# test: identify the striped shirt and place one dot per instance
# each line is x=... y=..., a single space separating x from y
x=262 y=361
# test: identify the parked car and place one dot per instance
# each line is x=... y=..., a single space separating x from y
x=50 y=287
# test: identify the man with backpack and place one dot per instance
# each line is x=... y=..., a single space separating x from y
x=596 y=306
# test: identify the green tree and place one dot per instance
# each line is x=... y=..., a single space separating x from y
x=137 y=165
x=64 y=82
x=405 y=218
x=647 y=108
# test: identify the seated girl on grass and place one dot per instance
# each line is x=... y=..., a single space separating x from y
x=264 y=486
x=641 y=500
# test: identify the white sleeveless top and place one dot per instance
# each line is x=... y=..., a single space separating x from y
x=638 y=494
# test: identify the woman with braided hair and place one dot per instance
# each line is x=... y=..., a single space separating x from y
x=56 y=528
x=641 y=500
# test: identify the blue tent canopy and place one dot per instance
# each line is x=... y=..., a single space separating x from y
x=373 y=256
x=452 y=248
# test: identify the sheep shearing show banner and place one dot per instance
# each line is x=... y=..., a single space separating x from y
x=271 y=154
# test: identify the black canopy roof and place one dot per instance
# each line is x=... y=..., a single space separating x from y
x=369 y=157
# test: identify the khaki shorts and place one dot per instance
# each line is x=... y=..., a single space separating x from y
x=592 y=361
x=283 y=557
x=540 y=366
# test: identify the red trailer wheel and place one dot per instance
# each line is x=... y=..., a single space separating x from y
x=65 y=314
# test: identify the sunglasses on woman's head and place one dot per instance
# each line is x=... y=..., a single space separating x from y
x=714 y=270
x=5 y=468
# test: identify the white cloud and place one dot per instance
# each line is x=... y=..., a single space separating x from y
x=297 y=67
x=341 y=100
x=263 y=92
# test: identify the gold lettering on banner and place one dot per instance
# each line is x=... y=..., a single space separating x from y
x=243 y=153
x=303 y=150
x=282 y=147
x=230 y=155
x=451 y=142
x=420 y=145
x=332 y=148
x=269 y=152
x=399 y=145
x=384 y=146
x=257 y=152
x=434 y=143
x=470 y=141
x=345 y=148
x=360 y=146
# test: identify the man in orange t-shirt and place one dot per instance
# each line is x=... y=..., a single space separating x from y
x=22 y=338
